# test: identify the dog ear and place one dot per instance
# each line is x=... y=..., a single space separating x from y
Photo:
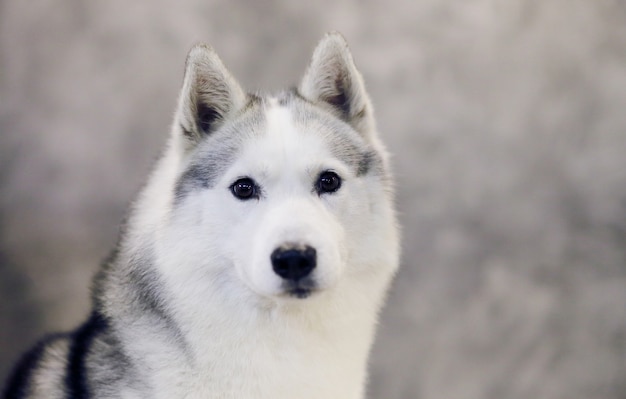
x=209 y=94
x=332 y=80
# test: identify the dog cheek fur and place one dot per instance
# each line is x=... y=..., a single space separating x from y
x=371 y=238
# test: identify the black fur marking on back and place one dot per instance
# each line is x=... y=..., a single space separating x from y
x=76 y=376
x=108 y=365
x=21 y=378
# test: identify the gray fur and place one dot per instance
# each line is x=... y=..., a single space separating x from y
x=210 y=94
x=129 y=286
x=215 y=153
x=48 y=378
x=107 y=365
x=113 y=350
x=331 y=96
x=343 y=140
x=333 y=82
x=145 y=285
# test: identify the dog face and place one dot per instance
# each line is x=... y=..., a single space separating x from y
x=288 y=195
x=290 y=199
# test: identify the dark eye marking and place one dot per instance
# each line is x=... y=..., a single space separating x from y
x=328 y=182
x=244 y=189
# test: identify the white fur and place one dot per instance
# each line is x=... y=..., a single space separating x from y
x=246 y=338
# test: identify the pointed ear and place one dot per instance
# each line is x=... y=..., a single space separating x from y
x=332 y=80
x=209 y=94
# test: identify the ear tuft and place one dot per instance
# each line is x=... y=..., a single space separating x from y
x=209 y=94
x=333 y=80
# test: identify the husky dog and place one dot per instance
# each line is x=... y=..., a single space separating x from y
x=254 y=262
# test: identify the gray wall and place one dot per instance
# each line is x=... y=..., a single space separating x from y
x=507 y=120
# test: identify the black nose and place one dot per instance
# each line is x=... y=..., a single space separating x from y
x=293 y=264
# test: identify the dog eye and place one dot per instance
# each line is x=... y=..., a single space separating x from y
x=244 y=189
x=328 y=182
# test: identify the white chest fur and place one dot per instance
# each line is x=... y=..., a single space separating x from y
x=307 y=352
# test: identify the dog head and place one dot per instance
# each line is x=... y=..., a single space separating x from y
x=284 y=196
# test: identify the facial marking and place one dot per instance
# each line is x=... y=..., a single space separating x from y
x=342 y=141
x=285 y=127
x=212 y=157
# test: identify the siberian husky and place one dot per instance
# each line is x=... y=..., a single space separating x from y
x=254 y=262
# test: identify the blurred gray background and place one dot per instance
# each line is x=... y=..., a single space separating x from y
x=506 y=118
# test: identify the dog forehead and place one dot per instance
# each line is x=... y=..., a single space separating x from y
x=285 y=135
x=299 y=128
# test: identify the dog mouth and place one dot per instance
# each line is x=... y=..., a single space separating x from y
x=301 y=289
x=300 y=293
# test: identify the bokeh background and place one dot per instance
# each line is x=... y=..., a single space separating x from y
x=506 y=118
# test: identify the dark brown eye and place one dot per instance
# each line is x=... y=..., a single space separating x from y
x=244 y=189
x=328 y=182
